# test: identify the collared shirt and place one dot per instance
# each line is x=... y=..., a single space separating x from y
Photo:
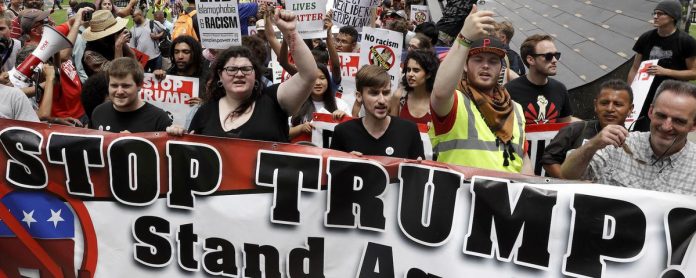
x=673 y=174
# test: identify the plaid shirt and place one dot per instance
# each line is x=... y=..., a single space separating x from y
x=675 y=173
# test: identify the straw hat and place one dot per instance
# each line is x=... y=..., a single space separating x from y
x=103 y=24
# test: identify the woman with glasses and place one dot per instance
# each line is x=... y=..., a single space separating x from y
x=322 y=99
x=239 y=105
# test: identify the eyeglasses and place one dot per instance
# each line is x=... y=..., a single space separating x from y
x=548 y=56
x=246 y=70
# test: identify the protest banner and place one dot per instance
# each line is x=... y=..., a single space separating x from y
x=383 y=48
x=419 y=14
x=154 y=205
x=218 y=24
x=350 y=64
x=310 y=17
x=640 y=85
x=354 y=13
x=171 y=94
x=538 y=137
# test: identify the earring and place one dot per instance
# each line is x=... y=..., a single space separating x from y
x=219 y=83
x=256 y=85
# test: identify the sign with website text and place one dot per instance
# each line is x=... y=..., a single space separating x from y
x=383 y=48
x=218 y=24
x=76 y=202
x=171 y=94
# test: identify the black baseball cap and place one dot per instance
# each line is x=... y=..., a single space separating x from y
x=488 y=45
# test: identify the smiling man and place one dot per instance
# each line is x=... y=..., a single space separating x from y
x=612 y=105
x=544 y=99
x=127 y=112
x=661 y=159
x=475 y=122
x=377 y=133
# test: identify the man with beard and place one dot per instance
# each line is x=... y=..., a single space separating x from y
x=612 y=105
x=187 y=60
x=544 y=99
x=661 y=159
x=144 y=38
x=475 y=122
x=377 y=133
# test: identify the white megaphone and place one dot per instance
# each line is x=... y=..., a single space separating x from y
x=52 y=41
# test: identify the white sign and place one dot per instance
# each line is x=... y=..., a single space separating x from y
x=350 y=64
x=310 y=17
x=354 y=13
x=419 y=14
x=383 y=48
x=640 y=86
x=251 y=30
x=218 y=24
x=172 y=94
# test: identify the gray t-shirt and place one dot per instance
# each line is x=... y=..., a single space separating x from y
x=141 y=40
x=14 y=104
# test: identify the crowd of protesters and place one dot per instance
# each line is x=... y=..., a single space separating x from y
x=476 y=100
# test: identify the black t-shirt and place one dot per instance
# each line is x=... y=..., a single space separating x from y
x=542 y=104
x=268 y=121
x=401 y=139
x=516 y=63
x=145 y=119
x=569 y=138
x=672 y=52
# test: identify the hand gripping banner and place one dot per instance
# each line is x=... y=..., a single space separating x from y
x=82 y=203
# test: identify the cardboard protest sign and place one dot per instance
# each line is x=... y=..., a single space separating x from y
x=218 y=24
x=419 y=14
x=350 y=64
x=640 y=86
x=171 y=94
x=153 y=205
x=354 y=13
x=383 y=48
x=310 y=17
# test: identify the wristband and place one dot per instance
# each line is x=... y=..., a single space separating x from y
x=463 y=41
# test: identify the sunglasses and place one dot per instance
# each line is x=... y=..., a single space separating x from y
x=548 y=56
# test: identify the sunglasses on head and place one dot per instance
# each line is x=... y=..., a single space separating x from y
x=549 y=56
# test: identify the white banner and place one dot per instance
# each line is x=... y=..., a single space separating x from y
x=640 y=86
x=354 y=13
x=310 y=17
x=419 y=14
x=383 y=48
x=218 y=24
x=171 y=94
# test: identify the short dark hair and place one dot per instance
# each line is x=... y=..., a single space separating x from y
x=428 y=29
x=350 y=31
x=123 y=66
x=530 y=44
x=257 y=47
x=83 y=5
x=94 y=91
x=371 y=76
x=618 y=85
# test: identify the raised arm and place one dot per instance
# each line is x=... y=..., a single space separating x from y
x=127 y=10
x=295 y=91
x=66 y=53
x=334 y=60
x=634 y=68
x=283 y=59
x=475 y=27
x=270 y=35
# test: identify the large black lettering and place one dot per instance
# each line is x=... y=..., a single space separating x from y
x=680 y=228
x=134 y=171
x=77 y=153
x=417 y=273
x=152 y=247
x=186 y=240
x=194 y=169
x=219 y=258
x=603 y=229
x=313 y=254
x=355 y=187
x=288 y=174
x=377 y=262
x=252 y=261
x=24 y=168
x=426 y=203
x=529 y=216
